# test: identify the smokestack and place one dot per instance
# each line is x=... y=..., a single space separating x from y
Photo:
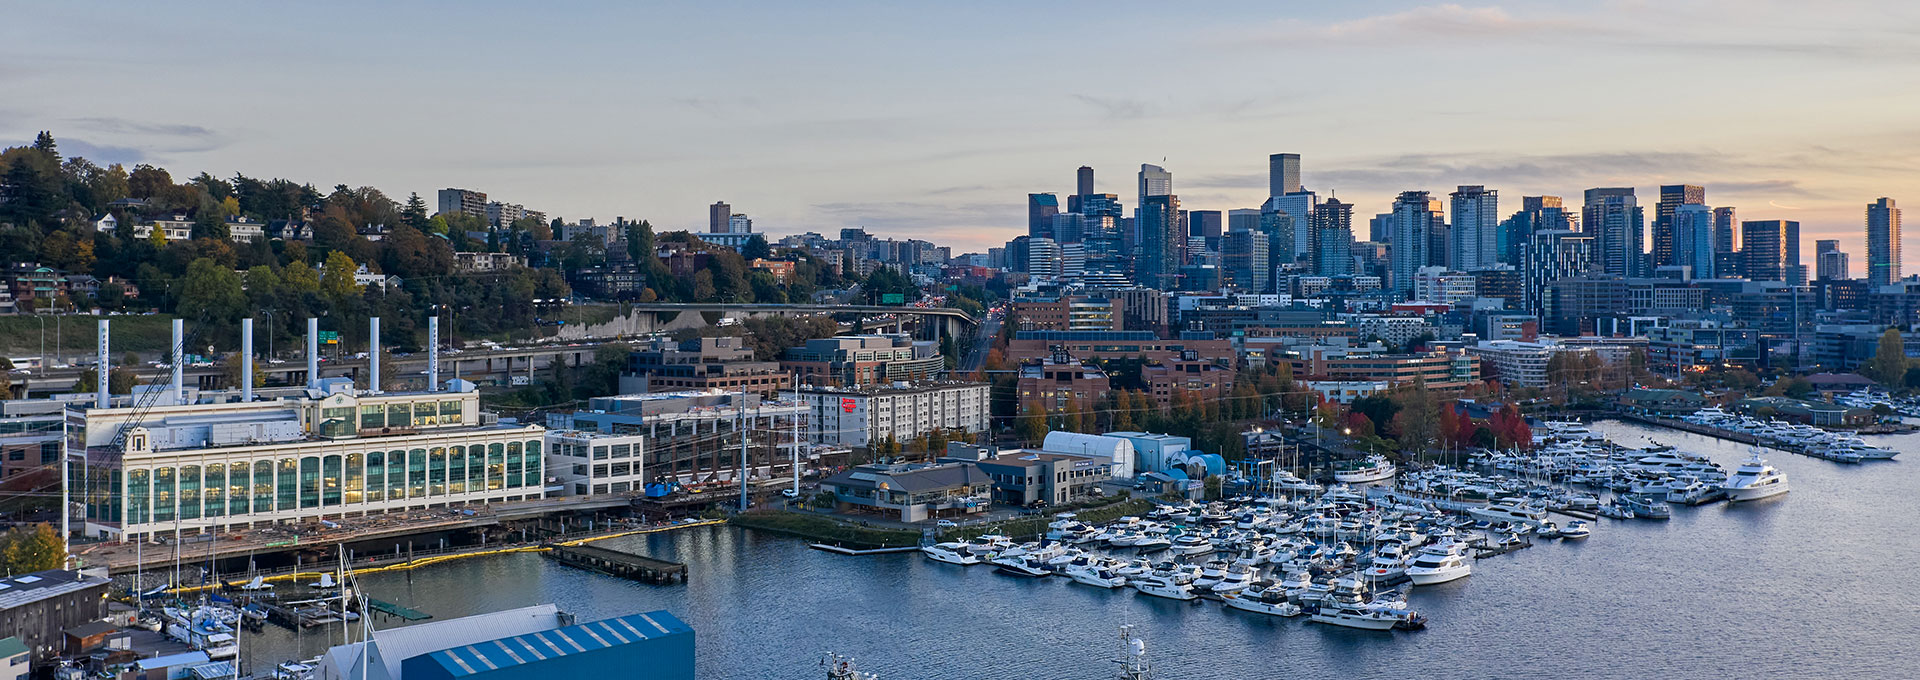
x=433 y=354
x=100 y=394
x=179 y=360
x=373 y=355
x=246 y=360
x=313 y=353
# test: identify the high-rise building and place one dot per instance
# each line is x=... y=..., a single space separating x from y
x=1551 y=255
x=1082 y=186
x=1332 y=224
x=1068 y=228
x=1830 y=264
x=1693 y=238
x=1537 y=213
x=1244 y=260
x=1616 y=221
x=1243 y=219
x=719 y=215
x=1672 y=196
x=1474 y=238
x=1726 y=244
x=1040 y=211
x=1413 y=217
x=739 y=223
x=1285 y=219
x=1883 y=242
x=1206 y=224
x=463 y=202
x=1771 y=251
x=1161 y=242
x=1283 y=174
x=1380 y=227
x=1154 y=181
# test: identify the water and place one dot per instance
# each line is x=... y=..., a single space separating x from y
x=1815 y=583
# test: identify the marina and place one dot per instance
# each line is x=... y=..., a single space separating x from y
x=903 y=615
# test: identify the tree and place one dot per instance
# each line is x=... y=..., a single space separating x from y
x=755 y=248
x=230 y=371
x=336 y=278
x=415 y=214
x=44 y=143
x=147 y=181
x=6 y=378
x=1031 y=427
x=1889 y=363
x=212 y=292
x=28 y=550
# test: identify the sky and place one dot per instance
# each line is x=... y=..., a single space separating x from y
x=934 y=120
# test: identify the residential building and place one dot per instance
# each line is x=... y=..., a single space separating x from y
x=1553 y=254
x=722 y=363
x=35 y=608
x=719 y=218
x=1332 y=225
x=1244 y=261
x=1070 y=313
x=1162 y=241
x=1395 y=331
x=1058 y=383
x=1346 y=391
x=1515 y=363
x=1473 y=238
x=1829 y=262
x=1616 y=221
x=596 y=463
x=915 y=492
x=171 y=228
x=1771 y=250
x=1411 y=231
x=464 y=202
x=1666 y=234
x=1441 y=370
x=854 y=360
x=154 y=469
x=1883 y=242
x=1691 y=238
x=1438 y=284
x=1726 y=243
x=863 y=416
x=1041 y=208
x=34 y=286
x=30 y=448
x=1189 y=378
x=241 y=229
x=1104 y=345
x=486 y=262
x=503 y=215
x=1026 y=477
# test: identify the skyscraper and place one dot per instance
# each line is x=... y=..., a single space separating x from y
x=1283 y=174
x=1040 y=211
x=1205 y=223
x=1161 y=242
x=1551 y=255
x=1726 y=244
x=1771 y=251
x=1693 y=238
x=1154 y=181
x=1883 y=242
x=1829 y=263
x=1244 y=260
x=1332 y=224
x=1537 y=213
x=1083 y=186
x=1285 y=219
x=1616 y=221
x=1671 y=197
x=1413 y=216
x=719 y=215
x=1474 y=238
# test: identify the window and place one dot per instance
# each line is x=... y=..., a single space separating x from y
x=190 y=492
x=396 y=475
x=496 y=466
x=424 y=414
x=330 y=481
x=239 y=488
x=263 y=486
x=457 y=470
x=417 y=473
x=536 y=473
x=215 y=485
x=372 y=417
x=476 y=467
x=437 y=471
x=514 y=465
x=399 y=415
x=376 y=476
x=355 y=489
x=139 y=486
x=163 y=500
x=310 y=482
x=600 y=453
x=622 y=450
x=450 y=412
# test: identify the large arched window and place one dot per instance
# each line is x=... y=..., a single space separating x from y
x=289 y=484
x=239 y=487
x=536 y=474
x=214 y=490
x=163 y=499
x=496 y=466
x=190 y=492
x=330 y=480
x=309 y=482
x=263 y=486
x=396 y=475
x=417 y=473
x=139 y=496
x=437 y=471
x=356 y=479
x=457 y=470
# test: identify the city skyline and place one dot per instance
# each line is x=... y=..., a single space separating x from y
x=616 y=113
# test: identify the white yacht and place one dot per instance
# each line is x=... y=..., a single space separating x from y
x=1439 y=564
x=1264 y=597
x=1191 y=544
x=1171 y=584
x=1576 y=530
x=1375 y=468
x=950 y=553
x=1236 y=579
x=1754 y=480
x=1511 y=510
x=1096 y=575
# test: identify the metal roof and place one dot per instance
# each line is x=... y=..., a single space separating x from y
x=493 y=655
x=37 y=586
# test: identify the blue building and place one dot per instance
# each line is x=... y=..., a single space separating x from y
x=531 y=643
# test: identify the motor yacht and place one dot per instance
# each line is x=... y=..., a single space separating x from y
x=951 y=553
x=1191 y=544
x=1170 y=584
x=1236 y=579
x=1210 y=574
x=1264 y=597
x=1439 y=564
x=1576 y=530
x=1375 y=468
x=1754 y=480
x=1096 y=575
x=1646 y=506
x=1031 y=566
x=1511 y=510
x=1548 y=530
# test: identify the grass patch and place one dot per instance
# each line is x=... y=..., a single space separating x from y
x=20 y=335
x=826 y=529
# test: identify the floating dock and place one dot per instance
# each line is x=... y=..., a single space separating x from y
x=394 y=610
x=621 y=564
x=838 y=550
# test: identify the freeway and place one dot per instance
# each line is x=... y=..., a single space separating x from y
x=983 y=338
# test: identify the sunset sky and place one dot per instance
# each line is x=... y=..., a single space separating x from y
x=935 y=120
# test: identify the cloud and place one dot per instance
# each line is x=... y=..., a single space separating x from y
x=1445 y=22
x=1115 y=108
x=962 y=225
x=131 y=127
x=100 y=154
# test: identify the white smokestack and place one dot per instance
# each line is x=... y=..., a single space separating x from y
x=313 y=353
x=433 y=354
x=179 y=360
x=246 y=360
x=100 y=395
x=373 y=355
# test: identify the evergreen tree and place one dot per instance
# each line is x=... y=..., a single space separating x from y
x=415 y=213
x=44 y=144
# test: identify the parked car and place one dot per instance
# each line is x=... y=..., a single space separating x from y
x=946 y=524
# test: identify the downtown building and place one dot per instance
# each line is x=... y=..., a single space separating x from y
x=1883 y=242
x=1616 y=221
x=872 y=414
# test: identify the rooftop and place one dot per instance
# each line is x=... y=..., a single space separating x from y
x=30 y=588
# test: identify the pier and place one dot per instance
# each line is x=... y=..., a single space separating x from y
x=621 y=564
x=393 y=610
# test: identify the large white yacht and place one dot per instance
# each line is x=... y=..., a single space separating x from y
x=1375 y=468
x=1168 y=583
x=1755 y=480
x=950 y=553
x=1511 y=510
x=1439 y=563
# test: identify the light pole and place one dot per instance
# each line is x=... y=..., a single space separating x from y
x=43 y=344
x=269 y=314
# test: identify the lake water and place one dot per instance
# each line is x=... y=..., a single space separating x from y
x=1817 y=583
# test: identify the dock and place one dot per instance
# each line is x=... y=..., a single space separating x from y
x=396 y=611
x=622 y=564
x=838 y=550
x=1483 y=551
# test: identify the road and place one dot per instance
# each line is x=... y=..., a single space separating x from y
x=982 y=343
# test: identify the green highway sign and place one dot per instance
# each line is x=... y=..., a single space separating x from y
x=330 y=337
x=893 y=298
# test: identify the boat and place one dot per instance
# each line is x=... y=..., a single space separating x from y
x=1375 y=468
x=1264 y=597
x=1237 y=578
x=1352 y=616
x=1548 y=530
x=1439 y=563
x=1167 y=583
x=1511 y=510
x=1754 y=480
x=1096 y=575
x=950 y=553
x=1191 y=544
x=1646 y=507
x=1576 y=530
x=1031 y=566
x=201 y=629
x=258 y=584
